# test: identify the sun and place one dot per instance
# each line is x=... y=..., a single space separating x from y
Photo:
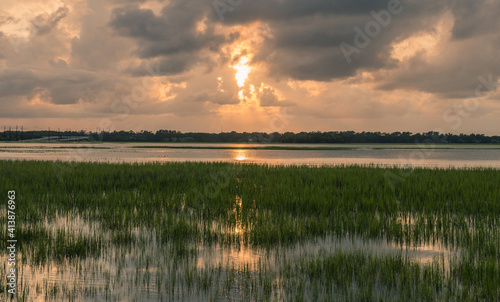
x=242 y=71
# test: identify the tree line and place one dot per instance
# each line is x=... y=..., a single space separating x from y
x=315 y=137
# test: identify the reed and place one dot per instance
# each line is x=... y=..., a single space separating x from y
x=150 y=224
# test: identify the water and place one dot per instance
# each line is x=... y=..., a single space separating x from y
x=429 y=155
x=144 y=269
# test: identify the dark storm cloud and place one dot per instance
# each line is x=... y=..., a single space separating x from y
x=166 y=66
x=475 y=18
x=306 y=37
x=172 y=32
x=310 y=48
x=73 y=56
x=278 y=10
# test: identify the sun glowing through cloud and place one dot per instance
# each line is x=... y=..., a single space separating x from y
x=242 y=71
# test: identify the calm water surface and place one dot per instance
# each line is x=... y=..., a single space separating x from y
x=429 y=155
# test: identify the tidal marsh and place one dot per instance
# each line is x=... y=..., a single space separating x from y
x=226 y=232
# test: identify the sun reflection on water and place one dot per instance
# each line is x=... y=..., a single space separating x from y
x=240 y=155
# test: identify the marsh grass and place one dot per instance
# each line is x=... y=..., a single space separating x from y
x=150 y=225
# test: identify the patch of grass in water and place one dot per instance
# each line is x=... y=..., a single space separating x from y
x=230 y=205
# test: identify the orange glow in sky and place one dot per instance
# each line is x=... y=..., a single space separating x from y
x=242 y=71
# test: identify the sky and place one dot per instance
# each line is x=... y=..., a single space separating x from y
x=251 y=65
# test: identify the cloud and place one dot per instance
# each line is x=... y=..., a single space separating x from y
x=310 y=48
x=59 y=86
x=225 y=98
x=173 y=32
x=60 y=63
x=269 y=98
x=475 y=18
x=197 y=104
x=190 y=105
x=97 y=47
x=5 y=19
x=165 y=66
x=304 y=42
x=17 y=82
x=452 y=69
x=283 y=11
x=44 y=23
x=85 y=54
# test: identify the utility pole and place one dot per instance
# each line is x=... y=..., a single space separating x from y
x=49 y=134
x=22 y=131
x=17 y=136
